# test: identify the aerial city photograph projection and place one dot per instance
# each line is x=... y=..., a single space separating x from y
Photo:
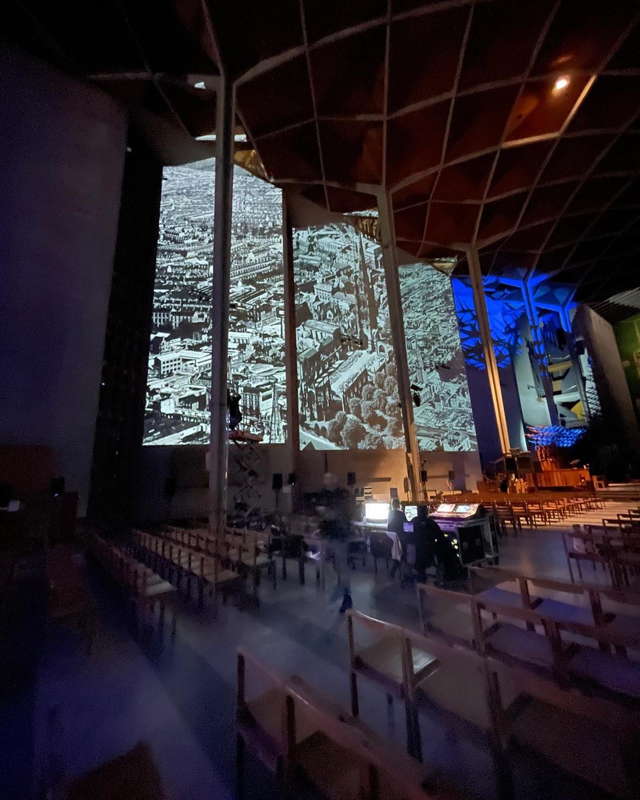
x=179 y=374
x=444 y=419
x=348 y=387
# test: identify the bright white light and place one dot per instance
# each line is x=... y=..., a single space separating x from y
x=376 y=512
x=560 y=84
x=200 y=85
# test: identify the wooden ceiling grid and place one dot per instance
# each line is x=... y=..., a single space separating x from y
x=513 y=126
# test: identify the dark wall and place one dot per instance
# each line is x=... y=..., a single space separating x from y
x=61 y=157
x=119 y=424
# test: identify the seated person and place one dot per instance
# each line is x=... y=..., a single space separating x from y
x=426 y=537
x=395 y=523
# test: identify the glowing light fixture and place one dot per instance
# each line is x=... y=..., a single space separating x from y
x=561 y=83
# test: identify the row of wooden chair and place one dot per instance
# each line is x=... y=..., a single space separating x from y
x=615 y=550
x=499 y=698
x=548 y=634
x=186 y=568
x=513 y=515
x=146 y=591
x=309 y=742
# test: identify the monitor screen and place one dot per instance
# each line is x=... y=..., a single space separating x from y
x=410 y=512
x=463 y=509
x=376 y=512
x=445 y=508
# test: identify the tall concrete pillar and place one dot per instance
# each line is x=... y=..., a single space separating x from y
x=396 y=320
x=487 y=347
x=223 y=208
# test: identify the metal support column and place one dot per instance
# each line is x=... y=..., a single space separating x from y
x=290 y=351
x=396 y=320
x=487 y=346
x=223 y=207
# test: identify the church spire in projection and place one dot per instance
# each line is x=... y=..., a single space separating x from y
x=368 y=291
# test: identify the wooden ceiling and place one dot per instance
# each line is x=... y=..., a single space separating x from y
x=511 y=125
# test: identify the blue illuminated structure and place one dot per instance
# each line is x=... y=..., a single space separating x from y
x=554 y=435
x=530 y=320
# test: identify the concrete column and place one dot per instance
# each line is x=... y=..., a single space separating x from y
x=534 y=325
x=223 y=208
x=396 y=320
x=487 y=346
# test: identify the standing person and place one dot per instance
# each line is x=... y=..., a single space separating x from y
x=425 y=537
x=335 y=526
x=395 y=524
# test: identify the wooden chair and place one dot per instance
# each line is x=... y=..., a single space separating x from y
x=69 y=599
x=513 y=639
x=587 y=736
x=392 y=662
x=458 y=666
x=452 y=610
x=305 y=739
x=345 y=760
x=533 y=592
x=262 y=727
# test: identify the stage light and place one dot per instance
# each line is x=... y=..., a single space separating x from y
x=561 y=83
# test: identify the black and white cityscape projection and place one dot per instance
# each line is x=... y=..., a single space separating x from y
x=444 y=418
x=348 y=387
x=179 y=377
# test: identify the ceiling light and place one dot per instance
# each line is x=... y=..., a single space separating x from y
x=561 y=83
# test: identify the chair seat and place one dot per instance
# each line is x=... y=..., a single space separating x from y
x=334 y=771
x=612 y=672
x=565 y=612
x=503 y=597
x=337 y=772
x=164 y=587
x=588 y=750
x=385 y=658
x=522 y=645
x=625 y=625
x=266 y=713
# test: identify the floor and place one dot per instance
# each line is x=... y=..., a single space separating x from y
x=81 y=710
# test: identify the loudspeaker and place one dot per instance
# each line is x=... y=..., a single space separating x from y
x=510 y=464
x=276 y=481
x=423 y=475
x=406 y=485
x=452 y=475
x=56 y=486
x=291 y=479
x=351 y=478
x=393 y=493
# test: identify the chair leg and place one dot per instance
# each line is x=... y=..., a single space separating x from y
x=414 y=739
x=240 y=753
x=355 y=705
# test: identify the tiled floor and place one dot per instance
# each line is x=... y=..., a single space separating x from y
x=85 y=710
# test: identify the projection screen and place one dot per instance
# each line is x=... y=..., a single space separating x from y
x=179 y=372
x=348 y=387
